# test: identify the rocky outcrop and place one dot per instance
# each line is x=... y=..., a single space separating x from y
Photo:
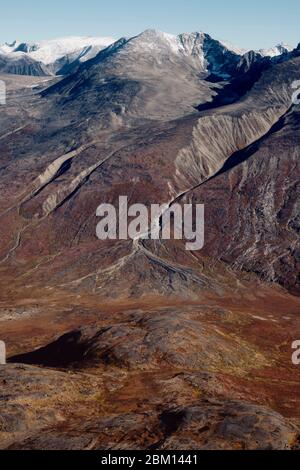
x=147 y=342
x=227 y=426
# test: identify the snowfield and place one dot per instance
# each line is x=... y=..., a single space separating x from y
x=48 y=52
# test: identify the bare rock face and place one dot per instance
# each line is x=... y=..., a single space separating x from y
x=150 y=422
x=22 y=65
x=218 y=136
x=227 y=426
x=260 y=219
x=142 y=344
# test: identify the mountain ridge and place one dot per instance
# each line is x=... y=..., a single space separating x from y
x=59 y=56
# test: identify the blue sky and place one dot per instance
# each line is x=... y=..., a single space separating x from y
x=246 y=23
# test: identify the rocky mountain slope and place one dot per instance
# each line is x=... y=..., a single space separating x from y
x=21 y=64
x=153 y=346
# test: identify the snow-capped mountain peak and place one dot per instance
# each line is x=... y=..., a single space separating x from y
x=153 y=40
x=50 y=57
x=276 y=51
x=64 y=55
x=7 y=48
x=49 y=52
x=185 y=44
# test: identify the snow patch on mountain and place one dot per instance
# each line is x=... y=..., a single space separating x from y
x=155 y=41
x=236 y=49
x=7 y=48
x=48 y=52
x=198 y=49
x=276 y=51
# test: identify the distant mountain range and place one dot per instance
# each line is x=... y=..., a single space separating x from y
x=62 y=56
x=49 y=57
